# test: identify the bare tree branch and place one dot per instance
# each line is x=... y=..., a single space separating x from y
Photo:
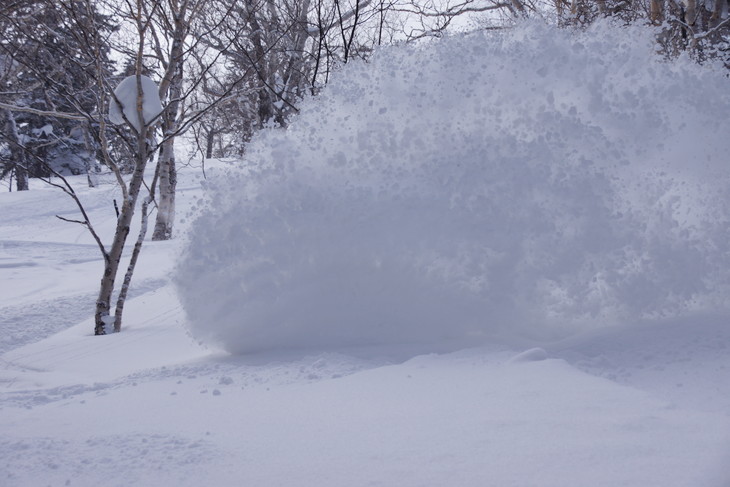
x=43 y=113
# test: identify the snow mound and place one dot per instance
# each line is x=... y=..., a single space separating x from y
x=536 y=181
x=126 y=93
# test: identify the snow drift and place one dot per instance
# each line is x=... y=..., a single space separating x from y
x=535 y=181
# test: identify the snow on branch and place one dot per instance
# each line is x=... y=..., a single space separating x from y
x=42 y=113
x=123 y=107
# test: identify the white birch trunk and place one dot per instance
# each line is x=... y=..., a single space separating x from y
x=113 y=257
x=122 y=299
x=171 y=88
x=167 y=182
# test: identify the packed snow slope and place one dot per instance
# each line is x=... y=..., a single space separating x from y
x=531 y=183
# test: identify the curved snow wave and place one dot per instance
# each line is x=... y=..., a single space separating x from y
x=528 y=181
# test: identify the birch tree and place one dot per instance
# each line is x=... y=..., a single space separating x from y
x=138 y=122
x=170 y=52
x=170 y=29
x=142 y=146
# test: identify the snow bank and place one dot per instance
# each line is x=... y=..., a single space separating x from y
x=533 y=181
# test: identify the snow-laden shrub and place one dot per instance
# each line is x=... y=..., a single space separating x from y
x=527 y=181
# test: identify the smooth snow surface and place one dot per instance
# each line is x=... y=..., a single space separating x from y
x=126 y=93
x=642 y=403
x=536 y=183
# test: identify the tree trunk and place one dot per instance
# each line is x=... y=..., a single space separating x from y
x=16 y=151
x=21 y=177
x=266 y=107
x=716 y=16
x=209 y=140
x=656 y=11
x=89 y=166
x=166 y=201
x=691 y=20
x=122 y=299
x=113 y=257
x=172 y=89
x=691 y=12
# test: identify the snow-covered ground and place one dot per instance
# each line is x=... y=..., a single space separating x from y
x=640 y=402
x=635 y=406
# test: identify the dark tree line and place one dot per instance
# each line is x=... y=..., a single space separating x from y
x=45 y=70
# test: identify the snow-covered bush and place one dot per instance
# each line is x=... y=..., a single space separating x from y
x=531 y=181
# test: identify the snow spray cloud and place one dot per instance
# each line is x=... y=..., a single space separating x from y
x=532 y=181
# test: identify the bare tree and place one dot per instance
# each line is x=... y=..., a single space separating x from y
x=148 y=21
x=137 y=132
x=700 y=28
x=172 y=54
x=169 y=29
x=143 y=147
